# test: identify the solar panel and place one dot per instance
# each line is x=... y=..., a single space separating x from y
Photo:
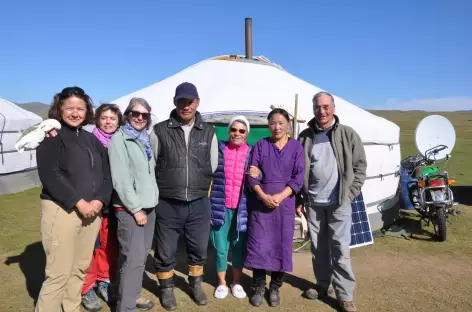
x=361 y=233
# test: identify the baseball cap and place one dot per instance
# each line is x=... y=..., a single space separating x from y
x=186 y=90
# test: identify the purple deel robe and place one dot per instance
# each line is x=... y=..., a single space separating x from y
x=270 y=231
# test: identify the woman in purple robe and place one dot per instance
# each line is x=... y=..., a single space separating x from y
x=272 y=211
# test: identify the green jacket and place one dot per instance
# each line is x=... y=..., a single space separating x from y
x=350 y=156
x=134 y=182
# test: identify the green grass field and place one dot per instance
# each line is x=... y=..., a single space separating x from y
x=393 y=274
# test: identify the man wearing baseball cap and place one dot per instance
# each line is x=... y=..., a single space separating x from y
x=186 y=153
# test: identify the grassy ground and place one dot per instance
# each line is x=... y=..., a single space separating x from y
x=394 y=274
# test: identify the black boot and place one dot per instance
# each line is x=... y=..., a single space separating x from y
x=198 y=294
x=258 y=298
x=167 y=297
x=274 y=295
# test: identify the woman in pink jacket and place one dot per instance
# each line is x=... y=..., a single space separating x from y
x=229 y=205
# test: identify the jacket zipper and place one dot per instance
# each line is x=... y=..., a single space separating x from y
x=341 y=190
x=234 y=170
x=145 y=155
x=186 y=159
x=92 y=160
x=246 y=166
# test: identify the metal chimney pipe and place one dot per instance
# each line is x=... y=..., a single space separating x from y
x=248 y=36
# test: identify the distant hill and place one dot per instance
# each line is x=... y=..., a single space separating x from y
x=38 y=108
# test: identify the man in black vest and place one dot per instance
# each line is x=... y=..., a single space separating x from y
x=186 y=153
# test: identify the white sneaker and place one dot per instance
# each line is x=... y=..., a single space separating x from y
x=238 y=291
x=221 y=292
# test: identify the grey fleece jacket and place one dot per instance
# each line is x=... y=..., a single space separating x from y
x=350 y=158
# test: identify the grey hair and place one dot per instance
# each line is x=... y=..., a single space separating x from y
x=317 y=96
x=132 y=104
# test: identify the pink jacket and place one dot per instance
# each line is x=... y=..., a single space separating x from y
x=235 y=161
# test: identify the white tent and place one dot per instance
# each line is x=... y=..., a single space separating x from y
x=229 y=85
x=17 y=170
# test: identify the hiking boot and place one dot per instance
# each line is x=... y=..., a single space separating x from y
x=167 y=297
x=258 y=298
x=90 y=301
x=198 y=295
x=102 y=290
x=318 y=293
x=144 y=304
x=347 y=306
x=274 y=296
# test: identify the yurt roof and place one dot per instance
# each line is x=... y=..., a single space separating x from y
x=233 y=84
x=15 y=118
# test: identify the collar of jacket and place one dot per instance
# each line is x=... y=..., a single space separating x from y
x=312 y=123
x=175 y=123
x=68 y=129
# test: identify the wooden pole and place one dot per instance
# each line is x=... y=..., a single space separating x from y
x=295 y=117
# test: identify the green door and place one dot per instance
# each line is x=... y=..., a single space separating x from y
x=256 y=133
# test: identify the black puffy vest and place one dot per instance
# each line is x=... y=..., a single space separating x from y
x=180 y=173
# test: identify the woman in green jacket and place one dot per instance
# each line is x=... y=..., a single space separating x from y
x=134 y=200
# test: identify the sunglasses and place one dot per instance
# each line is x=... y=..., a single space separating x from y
x=136 y=114
x=242 y=131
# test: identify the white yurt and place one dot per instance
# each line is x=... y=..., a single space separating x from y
x=17 y=170
x=230 y=85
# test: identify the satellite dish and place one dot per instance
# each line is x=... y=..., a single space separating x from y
x=433 y=131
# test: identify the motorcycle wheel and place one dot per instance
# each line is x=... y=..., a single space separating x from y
x=441 y=223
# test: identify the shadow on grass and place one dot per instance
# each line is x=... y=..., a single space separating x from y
x=410 y=222
x=463 y=194
x=210 y=276
x=32 y=262
x=180 y=282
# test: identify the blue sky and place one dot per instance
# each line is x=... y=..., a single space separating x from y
x=371 y=53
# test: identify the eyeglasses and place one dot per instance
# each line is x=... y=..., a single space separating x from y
x=242 y=131
x=136 y=114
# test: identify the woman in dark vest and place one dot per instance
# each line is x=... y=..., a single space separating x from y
x=229 y=206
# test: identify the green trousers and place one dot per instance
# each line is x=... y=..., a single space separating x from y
x=225 y=237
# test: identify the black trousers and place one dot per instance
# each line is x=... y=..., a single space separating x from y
x=175 y=217
x=259 y=278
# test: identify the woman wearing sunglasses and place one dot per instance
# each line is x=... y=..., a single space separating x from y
x=134 y=199
x=228 y=206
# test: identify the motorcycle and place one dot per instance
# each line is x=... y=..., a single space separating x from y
x=427 y=189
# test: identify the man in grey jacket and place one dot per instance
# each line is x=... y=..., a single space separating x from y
x=335 y=170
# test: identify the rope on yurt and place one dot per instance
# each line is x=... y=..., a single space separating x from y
x=1 y=137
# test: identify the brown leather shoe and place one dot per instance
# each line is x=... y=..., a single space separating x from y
x=318 y=293
x=348 y=306
x=144 y=304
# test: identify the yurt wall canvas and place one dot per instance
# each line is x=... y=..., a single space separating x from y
x=253 y=87
x=17 y=170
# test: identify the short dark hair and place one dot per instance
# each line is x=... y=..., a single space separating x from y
x=132 y=103
x=58 y=101
x=108 y=107
x=280 y=111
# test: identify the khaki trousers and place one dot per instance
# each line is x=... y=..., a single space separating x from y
x=68 y=241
